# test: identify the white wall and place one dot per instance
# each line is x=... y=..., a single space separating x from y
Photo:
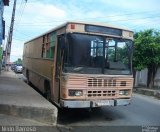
x=157 y=78
x=141 y=78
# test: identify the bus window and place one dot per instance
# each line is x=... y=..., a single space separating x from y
x=43 y=51
x=48 y=46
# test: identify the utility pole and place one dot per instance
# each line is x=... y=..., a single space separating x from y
x=10 y=34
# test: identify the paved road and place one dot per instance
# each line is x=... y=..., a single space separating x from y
x=143 y=111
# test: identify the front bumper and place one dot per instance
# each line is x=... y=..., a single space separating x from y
x=94 y=103
x=18 y=70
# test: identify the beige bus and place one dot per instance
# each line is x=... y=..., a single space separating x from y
x=82 y=65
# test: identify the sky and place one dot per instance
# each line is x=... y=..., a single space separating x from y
x=38 y=16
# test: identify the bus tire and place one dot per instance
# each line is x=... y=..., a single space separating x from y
x=47 y=90
x=27 y=76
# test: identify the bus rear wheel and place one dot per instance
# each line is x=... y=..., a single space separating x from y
x=47 y=92
x=27 y=76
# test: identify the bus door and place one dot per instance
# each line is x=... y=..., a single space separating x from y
x=60 y=43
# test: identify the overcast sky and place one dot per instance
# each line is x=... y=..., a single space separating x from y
x=38 y=16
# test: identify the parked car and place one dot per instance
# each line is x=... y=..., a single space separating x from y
x=13 y=66
x=18 y=69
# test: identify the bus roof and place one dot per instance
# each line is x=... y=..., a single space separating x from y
x=74 y=22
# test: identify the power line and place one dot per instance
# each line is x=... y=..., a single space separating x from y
x=20 y=32
x=140 y=25
x=119 y=20
x=46 y=23
x=20 y=8
x=136 y=18
x=18 y=39
x=21 y=13
x=109 y=16
x=112 y=21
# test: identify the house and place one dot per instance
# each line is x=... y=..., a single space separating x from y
x=2 y=27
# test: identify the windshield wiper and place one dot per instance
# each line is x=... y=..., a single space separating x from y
x=78 y=69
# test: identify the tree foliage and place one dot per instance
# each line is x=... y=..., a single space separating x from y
x=147 y=52
x=19 y=61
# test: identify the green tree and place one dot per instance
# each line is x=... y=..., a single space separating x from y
x=19 y=61
x=147 y=53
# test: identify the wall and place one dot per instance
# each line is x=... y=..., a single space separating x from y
x=1 y=19
x=157 y=79
x=1 y=30
x=141 y=78
x=2 y=26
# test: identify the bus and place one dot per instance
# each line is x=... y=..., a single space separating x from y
x=82 y=65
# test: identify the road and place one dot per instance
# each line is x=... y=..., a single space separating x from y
x=143 y=111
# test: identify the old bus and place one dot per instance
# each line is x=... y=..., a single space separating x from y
x=82 y=65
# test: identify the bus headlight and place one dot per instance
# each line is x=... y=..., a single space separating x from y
x=123 y=92
x=75 y=92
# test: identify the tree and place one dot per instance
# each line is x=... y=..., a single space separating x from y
x=147 y=53
x=19 y=61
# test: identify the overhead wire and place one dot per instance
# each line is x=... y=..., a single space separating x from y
x=20 y=32
x=144 y=24
x=21 y=8
x=23 y=5
x=119 y=20
x=21 y=13
x=109 y=16
x=18 y=11
x=112 y=21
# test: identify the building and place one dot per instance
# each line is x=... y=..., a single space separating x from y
x=2 y=27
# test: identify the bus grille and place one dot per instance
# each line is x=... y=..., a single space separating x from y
x=99 y=82
x=101 y=93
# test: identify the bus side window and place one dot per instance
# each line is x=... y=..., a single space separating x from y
x=52 y=51
x=48 y=46
x=43 y=51
x=52 y=44
x=43 y=55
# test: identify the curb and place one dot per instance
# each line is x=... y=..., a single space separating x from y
x=154 y=93
x=43 y=115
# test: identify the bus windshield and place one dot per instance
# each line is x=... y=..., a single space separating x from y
x=91 y=54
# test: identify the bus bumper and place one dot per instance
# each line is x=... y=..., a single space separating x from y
x=94 y=103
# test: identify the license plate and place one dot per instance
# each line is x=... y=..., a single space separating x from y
x=103 y=103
